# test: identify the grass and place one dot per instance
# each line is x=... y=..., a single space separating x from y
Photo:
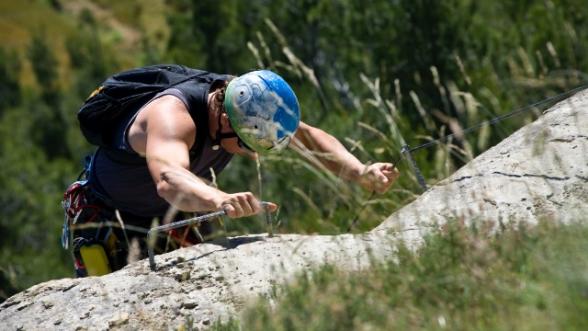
x=462 y=278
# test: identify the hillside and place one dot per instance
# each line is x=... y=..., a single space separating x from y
x=116 y=25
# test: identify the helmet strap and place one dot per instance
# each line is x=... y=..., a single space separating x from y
x=220 y=135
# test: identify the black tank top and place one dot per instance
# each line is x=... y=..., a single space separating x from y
x=122 y=177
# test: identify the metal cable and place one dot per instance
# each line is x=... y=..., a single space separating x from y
x=498 y=119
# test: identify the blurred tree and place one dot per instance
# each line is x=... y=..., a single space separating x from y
x=87 y=56
x=29 y=204
x=185 y=46
x=9 y=83
x=45 y=67
x=47 y=113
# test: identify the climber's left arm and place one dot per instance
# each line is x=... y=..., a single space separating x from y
x=329 y=152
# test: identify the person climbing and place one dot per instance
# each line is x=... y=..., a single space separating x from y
x=162 y=155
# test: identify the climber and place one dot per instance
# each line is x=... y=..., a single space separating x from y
x=164 y=153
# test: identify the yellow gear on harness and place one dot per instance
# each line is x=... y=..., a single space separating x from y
x=95 y=260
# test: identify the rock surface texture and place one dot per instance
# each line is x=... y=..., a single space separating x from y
x=541 y=171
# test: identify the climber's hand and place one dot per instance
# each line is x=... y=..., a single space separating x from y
x=379 y=177
x=244 y=204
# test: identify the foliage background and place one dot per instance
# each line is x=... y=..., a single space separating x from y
x=369 y=72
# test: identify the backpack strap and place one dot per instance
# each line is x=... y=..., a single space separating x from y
x=194 y=84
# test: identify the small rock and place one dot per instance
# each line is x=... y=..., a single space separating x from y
x=206 y=322
x=47 y=304
x=184 y=276
x=57 y=322
x=119 y=320
x=9 y=303
x=148 y=301
x=219 y=278
x=23 y=306
x=180 y=259
x=67 y=288
x=189 y=305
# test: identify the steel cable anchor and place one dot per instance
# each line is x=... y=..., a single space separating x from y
x=413 y=166
x=195 y=220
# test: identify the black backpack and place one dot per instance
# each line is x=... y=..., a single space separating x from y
x=126 y=92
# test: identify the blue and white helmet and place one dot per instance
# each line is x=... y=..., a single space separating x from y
x=263 y=110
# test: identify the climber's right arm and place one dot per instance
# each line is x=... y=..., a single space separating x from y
x=169 y=133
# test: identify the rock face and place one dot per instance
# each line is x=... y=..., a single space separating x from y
x=540 y=171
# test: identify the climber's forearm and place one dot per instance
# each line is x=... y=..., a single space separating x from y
x=185 y=191
x=329 y=152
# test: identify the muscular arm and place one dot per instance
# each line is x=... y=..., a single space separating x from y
x=337 y=159
x=164 y=133
x=169 y=135
x=329 y=151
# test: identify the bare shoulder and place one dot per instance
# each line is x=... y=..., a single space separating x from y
x=165 y=118
x=168 y=112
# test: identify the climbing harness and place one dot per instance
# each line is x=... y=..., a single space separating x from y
x=87 y=229
x=73 y=205
x=193 y=221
